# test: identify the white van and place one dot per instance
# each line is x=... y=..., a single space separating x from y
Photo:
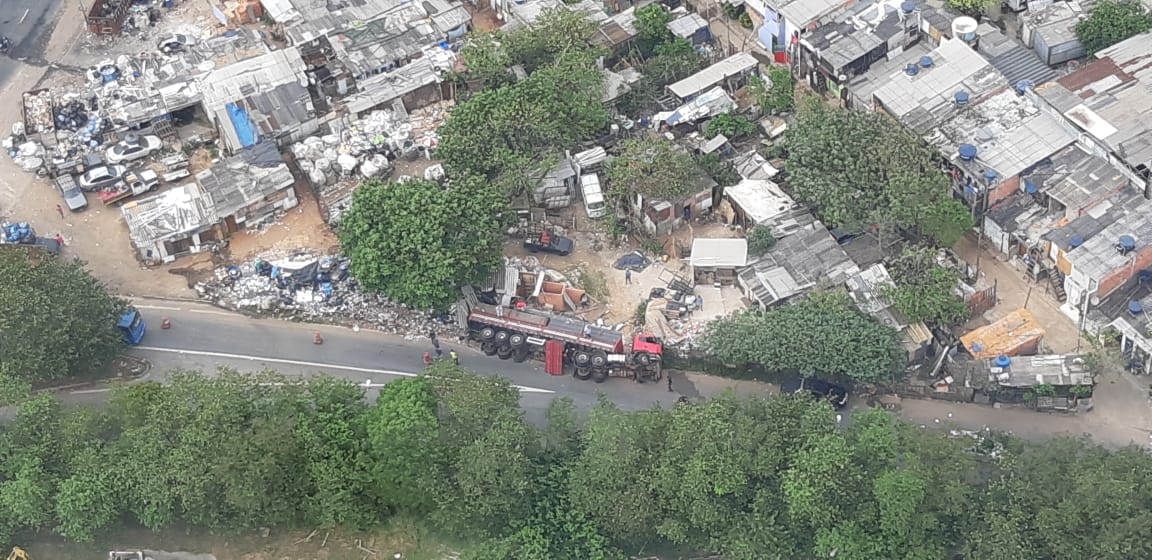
x=593 y=197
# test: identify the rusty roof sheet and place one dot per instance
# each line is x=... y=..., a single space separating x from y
x=1012 y=335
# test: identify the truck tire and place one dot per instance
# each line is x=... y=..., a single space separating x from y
x=504 y=352
x=520 y=355
x=502 y=337
x=599 y=375
x=489 y=348
x=487 y=333
x=516 y=339
x=582 y=373
x=599 y=359
x=643 y=358
x=581 y=358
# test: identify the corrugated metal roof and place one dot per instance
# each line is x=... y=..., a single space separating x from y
x=807 y=257
x=1016 y=332
x=1077 y=179
x=1014 y=60
x=687 y=26
x=928 y=98
x=245 y=179
x=1029 y=371
x=802 y=13
x=761 y=200
x=382 y=88
x=174 y=213
x=719 y=253
x=1097 y=257
x=713 y=75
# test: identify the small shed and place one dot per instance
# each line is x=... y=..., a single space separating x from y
x=1057 y=370
x=1016 y=334
x=716 y=260
x=691 y=26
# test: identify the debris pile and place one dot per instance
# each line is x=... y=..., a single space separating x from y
x=425 y=121
x=38 y=111
x=365 y=145
x=308 y=287
x=20 y=232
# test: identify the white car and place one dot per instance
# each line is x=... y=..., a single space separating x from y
x=99 y=177
x=175 y=43
x=134 y=147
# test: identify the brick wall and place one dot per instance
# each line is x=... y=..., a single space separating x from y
x=1118 y=277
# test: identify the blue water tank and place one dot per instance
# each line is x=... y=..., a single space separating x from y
x=990 y=175
x=967 y=152
x=926 y=62
x=1023 y=86
x=962 y=98
x=908 y=7
x=1075 y=241
x=1144 y=276
x=1003 y=361
x=912 y=70
x=1127 y=242
x=1135 y=307
x=1030 y=187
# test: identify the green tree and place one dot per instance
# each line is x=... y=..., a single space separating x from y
x=403 y=438
x=418 y=242
x=652 y=27
x=486 y=58
x=974 y=8
x=652 y=167
x=859 y=170
x=760 y=240
x=56 y=320
x=1112 y=21
x=776 y=94
x=554 y=35
x=795 y=338
x=730 y=125
x=925 y=290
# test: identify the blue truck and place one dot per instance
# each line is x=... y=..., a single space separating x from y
x=132 y=327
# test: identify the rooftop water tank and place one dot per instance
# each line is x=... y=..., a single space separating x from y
x=990 y=175
x=964 y=28
x=962 y=98
x=1135 y=307
x=911 y=69
x=1003 y=361
x=1127 y=243
x=908 y=7
x=925 y=62
x=967 y=152
x=1023 y=86
x=1075 y=241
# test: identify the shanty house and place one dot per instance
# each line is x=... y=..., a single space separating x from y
x=250 y=188
x=1049 y=28
x=779 y=23
x=1016 y=334
x=662 y=216
x=866 y=288
x=715 y=261
x=730 y=74
x=755 y=202
x=691 y=26
x=807 y=258
x=176 y=222
x=1108 y=104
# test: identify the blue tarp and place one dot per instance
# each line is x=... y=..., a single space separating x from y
x=245 y=130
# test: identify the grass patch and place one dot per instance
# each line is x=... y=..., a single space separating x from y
x=594 y=282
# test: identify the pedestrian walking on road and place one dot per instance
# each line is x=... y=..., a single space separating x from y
x=670 y=384
x=628 y=276
x=455 y=357
x=436 y=343
x=60 y=210
x=439 y=353
x=60 y=239
x=427 y=358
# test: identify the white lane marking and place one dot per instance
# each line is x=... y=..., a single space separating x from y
x=157 y=307
x=25 y=16
x=310 y=364
x=207 y=312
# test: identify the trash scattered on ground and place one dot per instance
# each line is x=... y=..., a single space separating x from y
x=309 y=287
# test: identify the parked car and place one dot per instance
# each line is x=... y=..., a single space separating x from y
x=133 y=147
x=99 y=177
x=819 y=390
x=547 y=242
x=73 y=196
x=175 y=43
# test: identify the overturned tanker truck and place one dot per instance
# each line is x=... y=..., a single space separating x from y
x=593 y=352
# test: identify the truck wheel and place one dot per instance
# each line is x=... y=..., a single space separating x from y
x=488 y=348
x=504 y=352
x=599 y=359
x=643 y=358
x=598 y=376
x=564 y=254
x=487 y=333
x=520 y=355
x=516 y=340
x=582 y=373
x=582 y=358
x=501 y=337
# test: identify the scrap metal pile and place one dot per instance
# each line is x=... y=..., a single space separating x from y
x=309 y=287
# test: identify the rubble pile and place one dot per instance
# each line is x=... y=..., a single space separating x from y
x=38 y=112
x=28 y=155
x=309 y=287
x=425 y=121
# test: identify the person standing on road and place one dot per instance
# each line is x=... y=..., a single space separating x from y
x=628 y=276
x=60 y=210
x=455 y=357
x=439 y=352
x=427 y=358
x=60 y=239
x=670 y=384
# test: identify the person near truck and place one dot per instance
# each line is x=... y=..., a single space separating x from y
x=455 y=357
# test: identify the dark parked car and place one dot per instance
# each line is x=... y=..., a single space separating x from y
x=820 y=390
x=548 y=243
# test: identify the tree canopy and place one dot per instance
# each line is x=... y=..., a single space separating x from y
x=748 y=478
x=823 y=336
x=418 y=242
x=1112 y=21
x=488 y=55
x=859 y=169
x=653 y=167
x=56 y=320
x=925 y=290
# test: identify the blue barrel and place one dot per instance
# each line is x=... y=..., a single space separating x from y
x=1003 y=361
x=1135 y=307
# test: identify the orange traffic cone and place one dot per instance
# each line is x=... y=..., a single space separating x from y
x=165 y=324
x=317 y=339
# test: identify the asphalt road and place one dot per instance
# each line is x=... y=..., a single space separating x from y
x=204 y=338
